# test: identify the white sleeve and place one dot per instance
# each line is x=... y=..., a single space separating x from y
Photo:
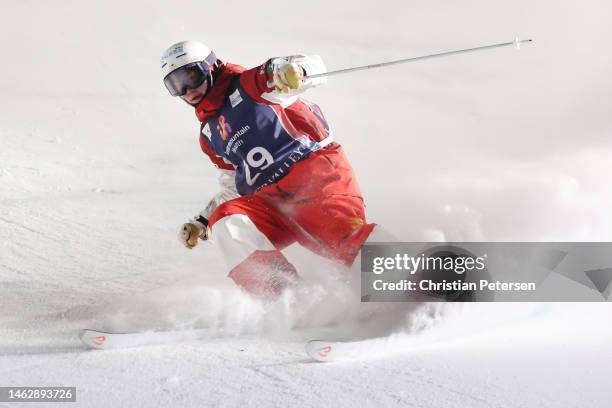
x=228 y=192
x=312 y=65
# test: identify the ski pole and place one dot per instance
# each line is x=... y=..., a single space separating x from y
x=516 y=43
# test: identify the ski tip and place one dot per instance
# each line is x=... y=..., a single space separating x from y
x=93 y=339
x=320 y=350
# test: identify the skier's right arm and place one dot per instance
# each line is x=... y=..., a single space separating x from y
x=197 y=228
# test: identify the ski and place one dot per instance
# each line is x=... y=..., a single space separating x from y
x=101 y=340
x=354 y=350
x=327 y=351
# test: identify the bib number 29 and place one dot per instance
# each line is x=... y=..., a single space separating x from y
x=258 y=158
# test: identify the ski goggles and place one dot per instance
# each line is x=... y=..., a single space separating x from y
x=187 y=77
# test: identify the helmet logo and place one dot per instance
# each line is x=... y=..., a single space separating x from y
x=175 y=50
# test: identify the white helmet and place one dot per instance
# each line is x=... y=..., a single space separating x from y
x=192 y=53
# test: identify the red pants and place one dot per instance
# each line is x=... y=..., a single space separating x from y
x=317 y=204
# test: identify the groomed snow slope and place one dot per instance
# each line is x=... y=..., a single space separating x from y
x=99 y=166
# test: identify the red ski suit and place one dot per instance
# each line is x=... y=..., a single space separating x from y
x=314 y=199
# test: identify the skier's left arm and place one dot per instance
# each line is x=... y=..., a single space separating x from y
x=280 y=80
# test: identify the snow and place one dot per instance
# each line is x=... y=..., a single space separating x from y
x=99 y=167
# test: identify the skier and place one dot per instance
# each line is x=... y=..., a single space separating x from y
x=283 y=177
